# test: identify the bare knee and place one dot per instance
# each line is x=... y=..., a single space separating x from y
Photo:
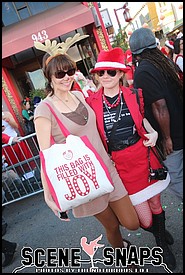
x=130 y=222
x=126 y=213
x=132 y=225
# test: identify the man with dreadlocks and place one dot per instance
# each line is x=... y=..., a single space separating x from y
x=162 y=92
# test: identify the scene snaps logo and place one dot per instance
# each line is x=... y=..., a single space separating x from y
x=112 y=260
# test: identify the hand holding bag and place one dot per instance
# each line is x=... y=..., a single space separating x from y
x=74 y=171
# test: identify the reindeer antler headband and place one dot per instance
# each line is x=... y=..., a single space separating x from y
x=54 y=49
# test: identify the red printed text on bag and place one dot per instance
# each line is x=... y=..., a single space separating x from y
x=75 y=172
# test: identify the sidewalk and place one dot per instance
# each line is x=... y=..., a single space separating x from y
x=32 y=224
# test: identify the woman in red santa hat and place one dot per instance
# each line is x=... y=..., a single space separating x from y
x=168 y=49
x=130 y=141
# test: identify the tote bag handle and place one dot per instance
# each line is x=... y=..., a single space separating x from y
x=62 y=127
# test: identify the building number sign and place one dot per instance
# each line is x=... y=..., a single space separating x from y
x=40 y=36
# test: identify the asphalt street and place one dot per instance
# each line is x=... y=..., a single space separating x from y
x=33 y=225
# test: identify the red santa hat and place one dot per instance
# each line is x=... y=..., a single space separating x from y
x=163 y=50
x=128 y=55
x=169 y=44
x=111 y=60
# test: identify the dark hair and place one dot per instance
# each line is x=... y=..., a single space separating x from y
x=163 y=64
x=59 y=62
x=177 y=45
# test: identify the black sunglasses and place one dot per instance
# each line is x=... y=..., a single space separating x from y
x=61 y=74
x=109 y=72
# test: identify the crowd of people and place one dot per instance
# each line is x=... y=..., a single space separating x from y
x=131 y=112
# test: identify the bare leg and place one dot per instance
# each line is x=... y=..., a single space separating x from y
x=125 y=212
x=111 y=224
x=120 y=212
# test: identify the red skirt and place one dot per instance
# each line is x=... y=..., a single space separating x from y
x=132 y=166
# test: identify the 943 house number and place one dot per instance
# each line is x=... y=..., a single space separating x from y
x=40 y=36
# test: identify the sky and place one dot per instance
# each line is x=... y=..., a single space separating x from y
x=134 y=7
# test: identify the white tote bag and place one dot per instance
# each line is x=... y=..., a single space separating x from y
x=75 y=172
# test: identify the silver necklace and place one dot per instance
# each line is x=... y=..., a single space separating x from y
x=110 y=115
x=80 y=114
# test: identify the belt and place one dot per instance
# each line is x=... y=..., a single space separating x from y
x=124 y=143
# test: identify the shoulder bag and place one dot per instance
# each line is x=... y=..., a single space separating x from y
x=74 y=171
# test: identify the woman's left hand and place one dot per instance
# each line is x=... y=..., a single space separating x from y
x=151 y=139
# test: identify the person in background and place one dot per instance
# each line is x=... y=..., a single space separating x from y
x=163 y=98
x=128 y=62
x=36 y=101
x=111 y=210
x=158 y=43
x=163 y=50
x=18 y=151
x=169 y=52
x=169 y=48
x=128 y=137
x=83 y=84
x=95 y=80
x=179 y=35
x=178 y=55
x=9 y=140
x=27 y=115
x=9 y=124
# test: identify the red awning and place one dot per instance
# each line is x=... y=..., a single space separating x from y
x=53 y=23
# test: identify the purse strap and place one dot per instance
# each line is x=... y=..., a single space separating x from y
x=114 y=126
x=158 y=156
x=62 y=127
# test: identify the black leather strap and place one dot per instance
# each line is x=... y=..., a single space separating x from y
x=109 y=137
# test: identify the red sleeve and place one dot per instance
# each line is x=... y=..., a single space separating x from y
x=5 y=138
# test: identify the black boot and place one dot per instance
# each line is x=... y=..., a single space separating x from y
x=168 y=237
x=8 y=248
x=159 y=233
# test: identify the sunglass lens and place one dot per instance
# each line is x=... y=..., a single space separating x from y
x=101 y=73
x=111 y=72
x=71 y=72
x=61 y=74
